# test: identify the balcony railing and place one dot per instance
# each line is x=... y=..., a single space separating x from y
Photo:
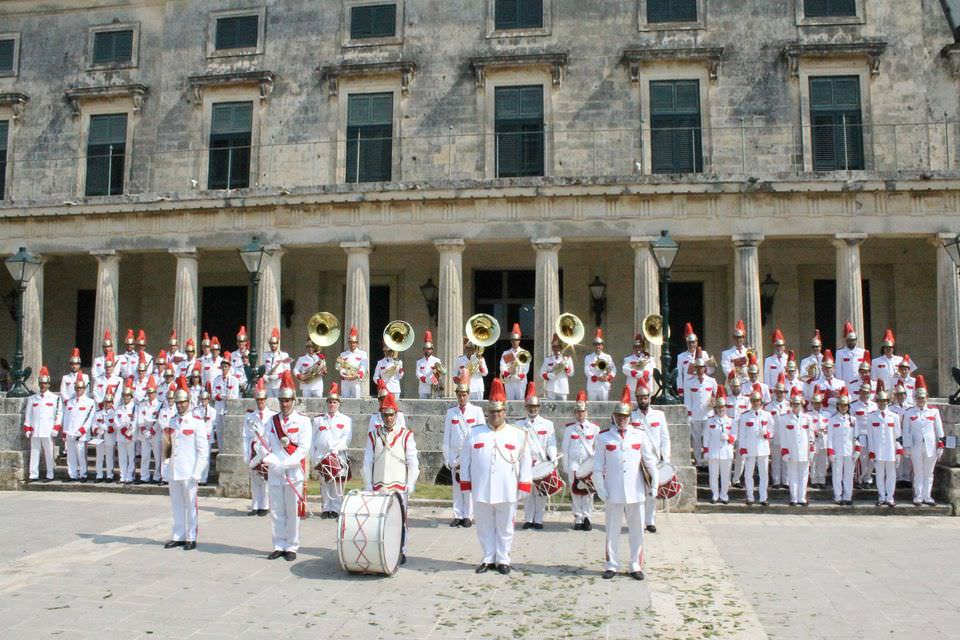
x=736 y=153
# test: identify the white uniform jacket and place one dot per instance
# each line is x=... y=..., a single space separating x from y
x=617 y=475
x=698 y=396
x=654 y=424
x=44 y=414
x=67 y=382
x=275 y=363
x=597 y=376
x=848 y=363
x=496 y=465
x=754 y=431
x=883 y=435
x=390 y=370
x=457 y=425
x=225 y=389
x=254 y=422
x=479 y=371
x=514 y=370
x=126 y=422
x=796 y=437
x=358 y=360
x=579 y=445
x=923 y=429
x=425 y=374
x=191 y=448
x=78 y=417
x=773 y=366
x=390 y=460
x=209 y=368
x=148 y=413
x=285 y=460
x=842 y=440
x=718 y=438
x=556 y=371
x=734 y=358
x=331 y=434
x=542 y=436
x=684 y=369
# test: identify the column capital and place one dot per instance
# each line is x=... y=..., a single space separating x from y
x=102 y=254
x=849 y=239
x=639 y=243
x=747 y=239
x=939 y=239
x=449 y=244
x=546 y=244
x=357 y=246
x=184 y=252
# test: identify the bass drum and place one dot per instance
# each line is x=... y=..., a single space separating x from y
x=370 y=532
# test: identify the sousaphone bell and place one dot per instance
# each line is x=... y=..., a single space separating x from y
x=569 y=329
x=482 y=330
x=398 y=335
x=323 y=329
x=653 y=329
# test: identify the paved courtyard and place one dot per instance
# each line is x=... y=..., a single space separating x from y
x=92 y=566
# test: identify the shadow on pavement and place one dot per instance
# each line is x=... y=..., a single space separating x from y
x=202 y=547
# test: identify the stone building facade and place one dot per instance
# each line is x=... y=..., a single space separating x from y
x=514 y=152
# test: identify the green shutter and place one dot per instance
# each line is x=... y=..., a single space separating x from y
x=370 y=109
x=836 y=123
x=829 y=8
x=237 y=32
x=518 y=14
x=6 y=54
x=675 y=134
x=373 y=21
x=671 y=11
x=232 y=117
x=112 y=46
x=531 y=14
x=108 y=130
x=518 y=103
x=832 y=93
x=4 y=127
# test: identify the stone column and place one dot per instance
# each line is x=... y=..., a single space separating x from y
x=357 y=305
x=646 y=287
x=546 y=298
x=450 y=307
x=33 y=329
x=108 y=299
x=268 y=300
x=849 y=284
x=186 y=298
x=746 y=289
x=948 y=318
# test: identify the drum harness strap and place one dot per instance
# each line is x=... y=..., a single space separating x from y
x=513 y=462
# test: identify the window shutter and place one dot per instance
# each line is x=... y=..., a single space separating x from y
x=684 y=11
x=4 y=126
x=237 y=32
x=658 y=10
x=123 y=46
x=101 y=48
x=107 y=130
x=232 y=117
x=824 y=150
x=846 y=93
x=531 y=14
x=687 y=97
x=6 y=55
x=373 y=21
x=506 y=14
x=661 y=139
x=370 y=110
x=661 y=98
x=844 y=7
x=816 y=8
x=821 y=93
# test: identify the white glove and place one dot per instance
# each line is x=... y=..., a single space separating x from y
x=271 y=460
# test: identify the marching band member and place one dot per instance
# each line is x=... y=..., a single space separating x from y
x=142 y=348
x=167 y=412
x=160 y=363
x=626 y=470
x=778 y=408
x=309 y=370
x=495 y=467
x=41 y=425
x=352 y=365
x=638 y=363
x=211 y=362
x=389 y=369
x=186 y=449
x=332 y=432
x=884 y=367
x=196 y=384
x=174 y=355
x=578 y=449
x=255 y=425
x=542 y=438
x=820 y=423
x=698 y=397
x=828 y=384
x=78 y=420
x=776 y=363
x=189 y=362
x=718 y=439
x=473 y=367
x=457 y=425
x=861 y=410
x=242 y=351
x=810 y=366
x=391 y=462
x=843 y=450
x=735 y=358
x=754 y=432
x=685 y=359
x=653 y=423
x=904 y=378
x=225 y=387
x=140 y=383
x=863 y=377
x=796 y=439
x=376 y=418
x=128 y=360
x=275 y=363
x=884 y=446
x=286 y=447
x=850 y=356
x=753 y=379
x=792 y=375
x=105 y=432
x=926 y=444
x=429 y=369
x=99 y=369
x=205 y=413
x=512 y=368
x=67 y=391
x=599 y=370
x=900 y=407
x=126 y=423
x=109 y=377
x=148 y=433
x=205 y=353
x=737 y=404
x=556 y=371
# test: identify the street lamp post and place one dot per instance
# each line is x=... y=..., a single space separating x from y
x=254 y=256
x=22 y=266
x=664 y=250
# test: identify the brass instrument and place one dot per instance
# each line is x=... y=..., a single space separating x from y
x=398 y=335
x=524 y=357
x=652 y=328
x=439 y=371
x=813 y=371
x=276 y=365
x=314 y=371
x=482 y=330
x=347 y=370
x=600 y=364
x=569 y=329
x=323 y=328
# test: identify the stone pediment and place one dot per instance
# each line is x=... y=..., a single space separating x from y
x=16 y=101
x=135 y=92
x=870 y=49
x=262 y=79
x=332 y=73
x=633 y=58
x=555 y=61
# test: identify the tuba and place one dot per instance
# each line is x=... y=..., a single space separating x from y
x=482 y=330
x=652 y=329
x=323 y=328
x=569 y=329
x=398 y=335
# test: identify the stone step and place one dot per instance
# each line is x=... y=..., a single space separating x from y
x=859 y=508
x=739 y=493
x=60 y=472
x=69 y=486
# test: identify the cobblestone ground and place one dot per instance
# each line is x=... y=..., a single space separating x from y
x=82 y=565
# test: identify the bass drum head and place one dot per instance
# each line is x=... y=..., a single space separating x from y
x=391 y=538
x=370 y=532
x=585 y=468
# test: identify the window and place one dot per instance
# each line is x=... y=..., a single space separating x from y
x=671 y=11
x=4 y=128
x=519 y=131
x=230 y=135
x=113 y=47
x=675 y=130
x=373 y=21
x=106 y=148
x=237 y=32
x=829 y=8
x=518 y=14
x=836 y=123
x=369 y=137
x=8 y=50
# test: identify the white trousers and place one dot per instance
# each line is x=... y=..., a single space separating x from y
x=797 y=475
x=104 y=466
x=866 y=467
x=150 y=453
x=350 y=388
x=495 y=530
x=515 y=388
x=331 y=495
x=923 y=467
x=634 y=515
x=476 y=395
x=778 y=468
x=719 y=478
x=315 y=391
x=650 y=510
x=76 y=457
x=598 y=391
x=283 y=516
x=886 y=480
x=905 y=469
x=553 y=395
x=842 y=472
x=127 y=459
x=206 y=467
x=258 y=492
x=818 y=467
x=462 y=502
x=760 y=463
x=183 y=503
x=36 y=445
x=738 y=464
x=425 y=395
x=534 y=507
x=582 y=506
x=696 y=437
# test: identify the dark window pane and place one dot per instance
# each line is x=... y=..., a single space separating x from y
x=370 y=137
x=373 y=21
x=519 y=131
x=836 y=123
x=106 y=150
x=487 y=284
x=521 y=284
x=4 y=127
x=829 y=8
x=676 y=139
x=671 y=11
x=112 y=46
x=237 y=32
x=518 y=14
x=230 y=135
x=6 y=54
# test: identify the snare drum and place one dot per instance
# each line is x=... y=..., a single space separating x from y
x=549 y=485
x=583 y=479
x=370 y=532
x=331 y=468
x=668 y=485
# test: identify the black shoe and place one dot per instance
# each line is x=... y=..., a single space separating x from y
x=804 y=504
x=749 y=503
x=527 y=525
x=456 y=522
x=849 y=503
x=651 y=528
x=890 y=504
x=578 y=526
x=138 y=482
x=636 y=575
x=403 y=558
x=586 y=524
x=276 y=553
x=930 y=503
x=163 y=483
x=608 y=574
x=83 y=479
x=190 y=546
x=290 y=556
x=466 y=523
x=764 y=503
x=713 y=501
x=253 y=512
x=839 y=502
x=504 y=569
x=484 y=567
x=262 y=512
x=724 y=502
x=792 y=503
x=174 y=543
x=537 y=526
